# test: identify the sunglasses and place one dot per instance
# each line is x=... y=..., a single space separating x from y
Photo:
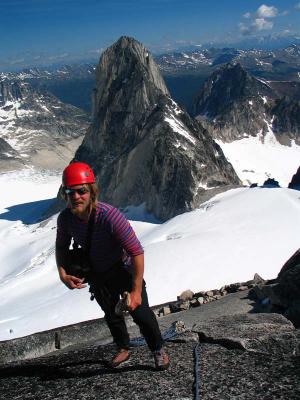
x=81 y=191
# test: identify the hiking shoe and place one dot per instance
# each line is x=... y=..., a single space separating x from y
x=161 y=359
x=119 y=358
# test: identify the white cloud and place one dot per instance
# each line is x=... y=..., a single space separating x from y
x=266 y=12
x=259 y=21
x=17 y=61
x=59 y=56
x=244 y=29
x=261 y=24
x=297 y=6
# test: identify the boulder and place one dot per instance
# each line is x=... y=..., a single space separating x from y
x=186 y=295
x=283 y=294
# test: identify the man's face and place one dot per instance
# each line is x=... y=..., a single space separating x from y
x=79 y=198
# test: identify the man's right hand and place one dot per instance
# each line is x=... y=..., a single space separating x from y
x=72 y=282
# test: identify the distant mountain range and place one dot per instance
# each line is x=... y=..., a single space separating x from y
x=72 y=84
x=240 y=99
x=184 y=73
x=36 y=128
x=278 y=61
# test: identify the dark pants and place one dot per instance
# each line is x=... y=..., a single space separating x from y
x=108 y=294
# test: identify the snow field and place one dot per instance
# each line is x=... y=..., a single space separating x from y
x=226 y=240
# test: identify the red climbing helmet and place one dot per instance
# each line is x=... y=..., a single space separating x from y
x=78 y=173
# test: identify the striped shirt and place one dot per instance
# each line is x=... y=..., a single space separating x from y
x=112 y=238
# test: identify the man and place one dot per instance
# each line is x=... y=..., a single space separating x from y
x=116 y=257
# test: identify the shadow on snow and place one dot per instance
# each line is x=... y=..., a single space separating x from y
x=28 y=213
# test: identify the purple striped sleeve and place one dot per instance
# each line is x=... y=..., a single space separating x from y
x=123 y=231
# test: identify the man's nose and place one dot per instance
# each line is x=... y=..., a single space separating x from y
x=75 y=194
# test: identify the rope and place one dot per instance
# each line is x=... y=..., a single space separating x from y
x=197 y=372
x=175 y=329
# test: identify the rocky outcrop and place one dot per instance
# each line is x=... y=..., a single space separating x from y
x=144 y=149
x=228 y=84
x=295 y=181
x=9 y=157
x=10 y=91
x=233 y=103
x=283 y=293
x=271 y=182
x=286 y=121
x=39 y=129
x=267 y=333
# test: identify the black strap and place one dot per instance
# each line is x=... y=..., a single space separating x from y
x=90 y=231
x=87 y=247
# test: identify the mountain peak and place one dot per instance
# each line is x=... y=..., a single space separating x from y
x=145 y=150
x=129 y=43
x=128 y=60
x=127 y=40
x=227 y=85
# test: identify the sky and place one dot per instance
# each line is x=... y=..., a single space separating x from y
x=50 y=31
x=227 y=239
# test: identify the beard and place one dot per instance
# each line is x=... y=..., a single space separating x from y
x=81 y=210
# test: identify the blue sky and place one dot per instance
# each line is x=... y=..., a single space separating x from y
x=55 y=30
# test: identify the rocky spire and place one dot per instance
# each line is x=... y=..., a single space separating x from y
x=128 y=83
x=145 y=150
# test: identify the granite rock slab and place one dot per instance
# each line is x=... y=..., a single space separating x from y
x=252 y=368
x=84 y=374
x=236 y=374
x=266 y=333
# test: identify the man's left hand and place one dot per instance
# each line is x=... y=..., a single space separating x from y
x=135 y=299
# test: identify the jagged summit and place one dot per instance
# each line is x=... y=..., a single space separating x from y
x=145 y=150
x=129 y=69
x=233 y=104
x=228 y=84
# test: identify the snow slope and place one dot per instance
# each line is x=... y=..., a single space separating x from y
x=226 y=240
x=257 y=158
